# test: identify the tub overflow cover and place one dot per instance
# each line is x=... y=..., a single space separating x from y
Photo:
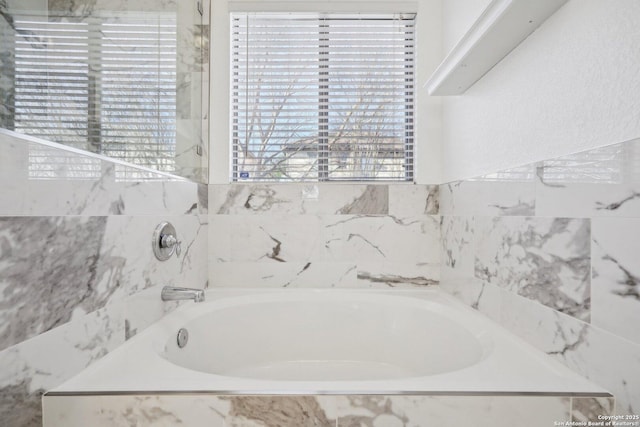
x=183 y=337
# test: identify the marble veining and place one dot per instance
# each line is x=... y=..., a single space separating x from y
x=142 y=270
x=373 y=411
x=629 y=282
x=150 y=409
x=193 y=41
x=19 y=396
x=616 y=276
x=191 y=260
x=324 y=199
x=111 y=190
x=600 y=356
x=568 y=339
x=432 y=205
x=317 y=274
x=374 y=200
x=74 y=253
x=342 y=199
x=77 y=339
x=544 y=259
x=33 y=371
x=352 y=250
x=298 y=274
x=36 y=300
x=489 y=198
x=76 y=335
x=393 y=280
x=203 y=199
x=405 y=411
x=281 y=411
x=604 y=182
x=584 y=199
x=143 y=309
x=591 y=408
x=407 y=200
x=564 y=275
x=617 y=204
x=609 y=362
x=458 y=243
x=260 y=199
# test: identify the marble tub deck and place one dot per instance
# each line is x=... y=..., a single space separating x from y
x=322 y=411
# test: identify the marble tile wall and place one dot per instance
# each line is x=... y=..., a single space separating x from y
x=549 y=250
x=323 y=235
x=191 y=70
x=77 y=272
x=323 y=411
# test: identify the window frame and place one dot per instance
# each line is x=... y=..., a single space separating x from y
x=323 y=149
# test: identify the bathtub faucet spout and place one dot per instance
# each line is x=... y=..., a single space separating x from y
x=171 y=293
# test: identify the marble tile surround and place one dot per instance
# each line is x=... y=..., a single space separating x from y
x=323 y=235
x=616 y=276
x=544 y=259
x=77 y=273
x=320 y=411
x=549 y=250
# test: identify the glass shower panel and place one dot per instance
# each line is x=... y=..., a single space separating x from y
x=123 y=78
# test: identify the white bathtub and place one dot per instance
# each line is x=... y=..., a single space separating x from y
x=328 y=342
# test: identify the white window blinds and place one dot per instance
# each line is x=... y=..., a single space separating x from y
x=322 y=98
x=106 y=84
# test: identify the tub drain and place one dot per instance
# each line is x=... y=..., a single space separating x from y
x=183 y=337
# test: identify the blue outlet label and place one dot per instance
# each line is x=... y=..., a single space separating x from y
x=244 y=175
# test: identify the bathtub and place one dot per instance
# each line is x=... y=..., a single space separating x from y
x=308 y=342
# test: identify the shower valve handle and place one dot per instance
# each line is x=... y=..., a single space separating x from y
x=169 y=241
x=165 y=241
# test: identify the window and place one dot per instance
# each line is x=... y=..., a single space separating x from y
x=322 y=97
x=106 y=84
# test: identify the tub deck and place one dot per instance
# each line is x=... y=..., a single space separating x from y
x=138 y=376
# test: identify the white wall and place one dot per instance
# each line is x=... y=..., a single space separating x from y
x=428 y=109
x=459 y=15
x=572 y=85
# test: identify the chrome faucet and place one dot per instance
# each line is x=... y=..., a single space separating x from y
x=171 y=293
